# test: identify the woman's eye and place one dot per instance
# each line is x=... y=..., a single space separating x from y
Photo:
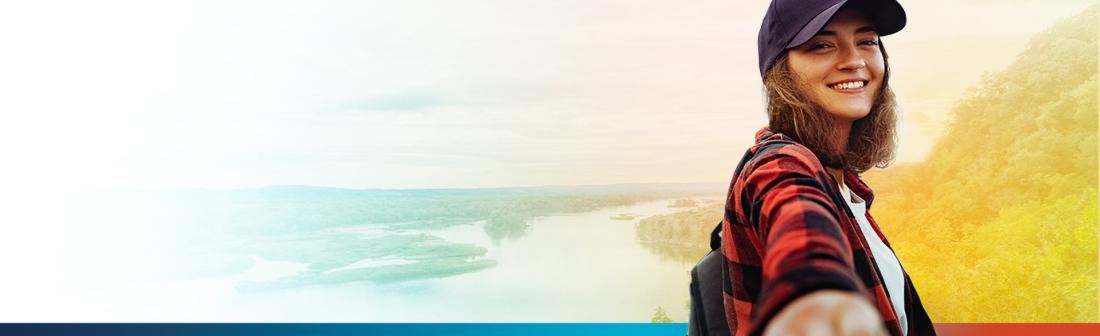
x=817 y=46
x=869 y=42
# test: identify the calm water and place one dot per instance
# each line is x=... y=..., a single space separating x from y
x=579 y=267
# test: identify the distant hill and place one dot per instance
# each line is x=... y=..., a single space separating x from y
x=210 y=214
x=299 y=190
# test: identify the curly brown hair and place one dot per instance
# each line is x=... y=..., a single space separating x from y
x=871 y=141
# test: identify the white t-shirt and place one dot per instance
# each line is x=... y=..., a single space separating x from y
x=887 y=262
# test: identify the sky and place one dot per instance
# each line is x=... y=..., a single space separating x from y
x=429 y=94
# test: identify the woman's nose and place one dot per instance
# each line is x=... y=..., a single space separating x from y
x=850 y=59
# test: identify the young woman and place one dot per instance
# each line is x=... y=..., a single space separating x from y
x=803 y=254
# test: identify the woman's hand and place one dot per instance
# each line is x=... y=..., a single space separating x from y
x=827 y=312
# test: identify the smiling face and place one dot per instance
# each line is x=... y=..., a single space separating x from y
x=841 y=67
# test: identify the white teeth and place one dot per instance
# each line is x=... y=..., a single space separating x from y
x=848 y=85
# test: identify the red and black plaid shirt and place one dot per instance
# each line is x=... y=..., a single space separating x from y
x=791 y=233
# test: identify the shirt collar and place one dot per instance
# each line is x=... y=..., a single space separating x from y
x=763 y=134
x=856 y=185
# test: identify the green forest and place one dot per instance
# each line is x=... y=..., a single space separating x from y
x=999 y=223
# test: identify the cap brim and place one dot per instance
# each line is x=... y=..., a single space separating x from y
x=887 y=16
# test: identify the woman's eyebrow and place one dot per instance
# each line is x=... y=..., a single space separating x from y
x=863 y=29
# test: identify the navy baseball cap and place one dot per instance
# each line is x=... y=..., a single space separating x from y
x=790 y=23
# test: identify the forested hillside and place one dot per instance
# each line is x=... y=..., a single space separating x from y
x=999 y=223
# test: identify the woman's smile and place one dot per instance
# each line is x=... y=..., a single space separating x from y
x=849 y=86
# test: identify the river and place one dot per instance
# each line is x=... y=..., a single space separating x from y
x=568 y=268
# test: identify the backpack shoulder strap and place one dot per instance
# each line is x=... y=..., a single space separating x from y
x=716 y=237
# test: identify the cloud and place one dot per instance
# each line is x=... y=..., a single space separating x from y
x=403 y=102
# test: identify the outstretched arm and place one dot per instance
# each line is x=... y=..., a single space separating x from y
x=807 y=271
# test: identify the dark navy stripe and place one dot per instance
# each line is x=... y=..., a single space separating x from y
x=335 y=329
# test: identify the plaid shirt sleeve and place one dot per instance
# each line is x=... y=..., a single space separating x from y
x=784 y=235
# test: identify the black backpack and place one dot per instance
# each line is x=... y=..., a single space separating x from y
x=708 y=311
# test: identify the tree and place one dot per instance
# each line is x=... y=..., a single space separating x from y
x=660 y=316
